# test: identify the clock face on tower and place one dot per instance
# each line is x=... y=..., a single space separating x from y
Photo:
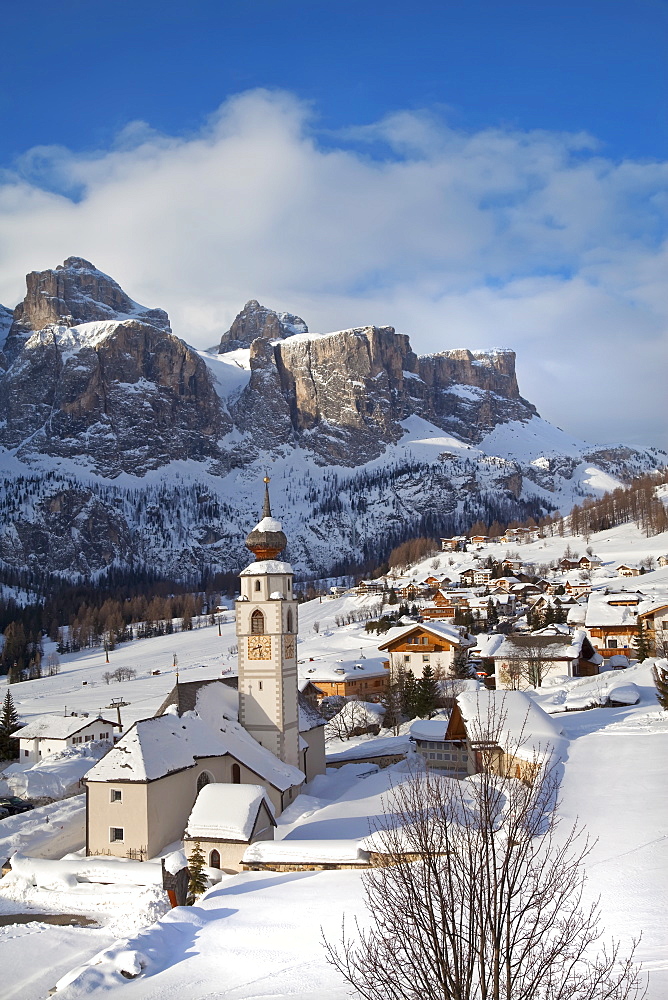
x=259 y=647
x=289 y=646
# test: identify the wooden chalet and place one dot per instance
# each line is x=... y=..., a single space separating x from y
x=416 y=646
x=611 y=620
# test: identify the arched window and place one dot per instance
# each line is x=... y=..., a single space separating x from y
x=257 y=584
x=204 y=779
x=236 y=774
x=214 y=859
x=257 y=623
x=290 y=623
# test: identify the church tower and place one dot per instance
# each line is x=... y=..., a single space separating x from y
x=267 y=637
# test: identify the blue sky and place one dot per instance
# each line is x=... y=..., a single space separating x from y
x=476 y=173
x=76 y=72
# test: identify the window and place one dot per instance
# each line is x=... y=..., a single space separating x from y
x=288 y=585
x=407 y=659
x=290 y=622
x=214 y=859
x=104 y=736
x=259 y=685
x=236 y=774
x=425 y=657
x=116 y=834
x=204 y=779
x=116 y=795
x=612 y=644
x=257 y=623
x=425 y=640
x=257 y=584
x=77 y=739
x=26 y=753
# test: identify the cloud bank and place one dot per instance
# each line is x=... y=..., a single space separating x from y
x=529 y=240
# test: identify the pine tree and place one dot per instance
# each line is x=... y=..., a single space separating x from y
x=197 y=882
x=9 y=723
x=461 y=667
x=641 y=645
x=427 y=693
x=492 y=614
x=661 y=683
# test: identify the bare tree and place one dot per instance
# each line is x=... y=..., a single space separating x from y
x=477 y=894
x=354 y=719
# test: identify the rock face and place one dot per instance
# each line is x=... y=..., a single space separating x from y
x=356 y=385
x=73 y=293
x=256 y=321
x=93 y=382
x=113 y=394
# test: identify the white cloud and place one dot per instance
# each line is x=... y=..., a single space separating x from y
x=533 y=241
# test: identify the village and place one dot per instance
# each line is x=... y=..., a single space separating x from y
x=271 y=743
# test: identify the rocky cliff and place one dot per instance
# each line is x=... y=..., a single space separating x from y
x=257 y=322
x=343 y=395
x=96 y=386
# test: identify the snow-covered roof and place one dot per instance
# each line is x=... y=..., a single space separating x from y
x=649 y=607
x=511 y=719
x=448 y=632
x=59 y=727
x=153 y=748
x=306 y=852
x=266 y=566
x=553 y=647
x=227 y=812
x=383 y=746
x=429 y=729
x=608 y=609
x=333 y=671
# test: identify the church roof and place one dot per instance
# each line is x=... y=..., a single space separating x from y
x=154 y=748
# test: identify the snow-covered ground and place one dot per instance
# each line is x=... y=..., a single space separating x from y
x=258 y=934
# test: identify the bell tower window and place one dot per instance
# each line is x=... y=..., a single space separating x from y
x=290 y=624
x=257 y=623
x=257 y=584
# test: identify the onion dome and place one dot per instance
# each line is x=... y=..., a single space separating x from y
x=266 y=539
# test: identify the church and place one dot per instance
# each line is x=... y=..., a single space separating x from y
x=254 y=730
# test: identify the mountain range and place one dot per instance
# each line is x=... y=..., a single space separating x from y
x=123 y=447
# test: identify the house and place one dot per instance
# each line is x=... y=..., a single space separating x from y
x=625 y=570
x=443 y=745
x=366 y=679
x=454 y=543
x=479 y=539
x=511 y=566
x=506 y=583
x=383 y=751
x=566 y=565
x=475 y=577
x=590 y=562
x=611 y=620
x=662 y=561
x=256 y=729
x=507 y=733
x=225 y=820
x=54 y=733
x=525 y=661
x=577 y=588
x=369 y=587
x=414 y=647
x=312 y=694
x=500 y=731
x=653 y=617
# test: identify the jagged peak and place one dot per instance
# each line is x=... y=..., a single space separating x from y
x=258 y=322
x=73 y=293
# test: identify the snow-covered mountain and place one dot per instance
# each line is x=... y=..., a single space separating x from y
x=121 y=446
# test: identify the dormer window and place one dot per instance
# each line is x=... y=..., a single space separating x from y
x=257 y=623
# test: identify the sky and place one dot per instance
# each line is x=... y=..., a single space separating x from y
x=475 y=173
